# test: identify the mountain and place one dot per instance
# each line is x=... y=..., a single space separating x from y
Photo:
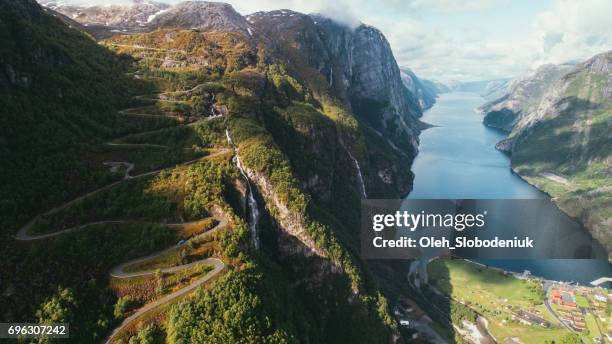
x=199 y=15
x=138 y=14
x=436 y=86
x=495 y=89
x=481 y=87
x=424 y=90
x=356 y=65
x=561 y=142
x=521 y=94
x=203 y=148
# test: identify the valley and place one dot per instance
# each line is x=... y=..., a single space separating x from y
x=185 y=173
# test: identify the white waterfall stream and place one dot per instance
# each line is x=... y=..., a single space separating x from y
x=252 y=202
x=359 y=176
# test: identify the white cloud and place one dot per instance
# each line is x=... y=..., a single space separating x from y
x=572 y=30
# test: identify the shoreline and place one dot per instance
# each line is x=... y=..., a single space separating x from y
x=548 y=195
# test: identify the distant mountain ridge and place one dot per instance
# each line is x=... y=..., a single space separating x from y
x=520 y=95
x=425 y=91
x=481 y=87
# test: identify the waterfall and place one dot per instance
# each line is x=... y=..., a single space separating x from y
x=331 y=76
x=252 y=202
x=359 y=176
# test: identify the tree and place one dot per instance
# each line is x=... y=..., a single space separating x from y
x=123 y=305
x=147 y=335
x=60 y=308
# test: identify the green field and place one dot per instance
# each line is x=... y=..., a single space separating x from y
x=496 y=296
x=465 y=280
x=582 y=301
x=591 y=323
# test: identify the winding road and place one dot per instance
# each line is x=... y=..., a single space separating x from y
x=23 y=235
x=118 y=272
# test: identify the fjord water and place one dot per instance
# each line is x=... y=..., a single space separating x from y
x=458 y=160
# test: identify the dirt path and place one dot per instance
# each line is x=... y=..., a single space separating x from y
x=218 y=267
x=136 y=46
x=555 y=178
x=152 y=145
x=118 y=272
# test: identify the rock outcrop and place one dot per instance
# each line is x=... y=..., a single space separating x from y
x=201 y=15
x=521 y=95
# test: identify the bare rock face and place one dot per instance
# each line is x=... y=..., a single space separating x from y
x=522 y=95
x=201 y=15
x=358 y=65
x=424 y=91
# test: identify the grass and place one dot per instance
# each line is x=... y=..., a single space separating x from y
x=541 y=310
x=189 y=252
x=496 y=296
x=582 y=301
x=181 y=279
x=526 y=334
x=591 y=323
x=469 y=281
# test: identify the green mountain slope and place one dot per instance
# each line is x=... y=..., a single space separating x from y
x=121 y=148
x=564 y=145
x=520 y=96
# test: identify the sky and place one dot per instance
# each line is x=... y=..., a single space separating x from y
x=468 y=40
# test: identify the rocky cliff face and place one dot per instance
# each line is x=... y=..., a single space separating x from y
x=562 y=142
x=495 y=89
x=364 y=64
x=358 y=68
x=425 y=92
x=200 y=15
x=520 y=96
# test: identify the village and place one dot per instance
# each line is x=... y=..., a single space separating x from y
x=510 y=307
x=584 y=310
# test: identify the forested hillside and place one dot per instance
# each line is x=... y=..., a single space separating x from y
x=205 y=157
x=59 y=95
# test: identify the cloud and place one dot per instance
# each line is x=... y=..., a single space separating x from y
x=340 y=13
x=441 y=6
x=572 y=30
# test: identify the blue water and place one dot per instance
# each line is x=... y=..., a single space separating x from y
x=458 y=160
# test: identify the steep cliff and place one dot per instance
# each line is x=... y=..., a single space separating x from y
x=562 y=144
x=521 y=95
x=424 y=90
x=359 y=70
